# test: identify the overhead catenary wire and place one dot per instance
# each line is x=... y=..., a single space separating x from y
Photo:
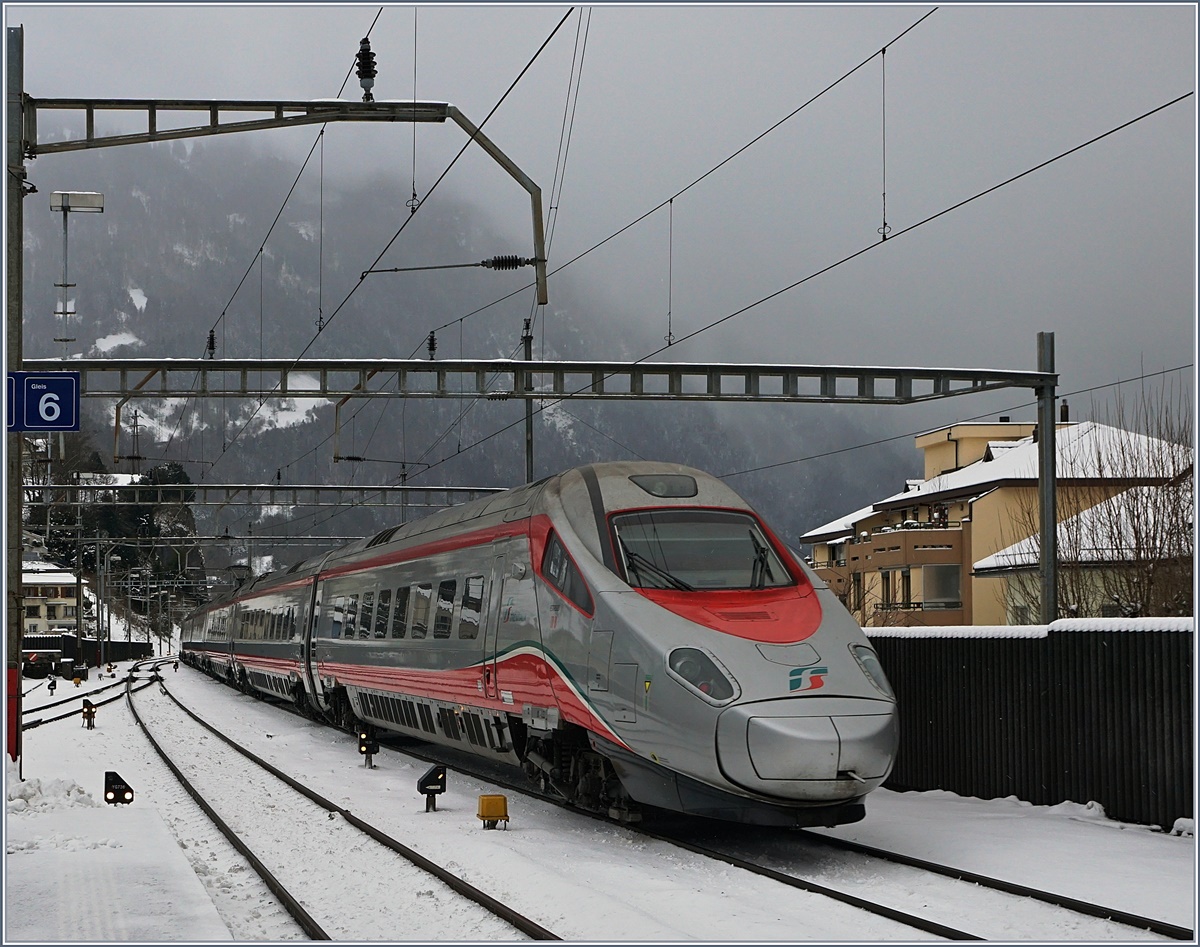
x=977 y=417
x=221 y=320
x=354 y=289
x=499 y=262
x=873 y=245
x=656 y=208
x=566 y=129
x=670 y=201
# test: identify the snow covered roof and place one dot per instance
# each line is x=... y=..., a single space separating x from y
x=1085 y=450
x=1062 y=625
x=54 y=576
x=841 y=528
x=43 y=572
x=1106 y=532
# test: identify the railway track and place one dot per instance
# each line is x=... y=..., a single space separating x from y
x=297 y=840
x=891 y=886
x=971 y=898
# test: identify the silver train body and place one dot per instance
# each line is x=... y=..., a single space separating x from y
x=629 y=634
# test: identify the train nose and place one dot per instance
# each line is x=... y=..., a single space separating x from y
x=815 y=749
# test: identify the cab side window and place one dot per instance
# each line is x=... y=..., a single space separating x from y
x=562 y=573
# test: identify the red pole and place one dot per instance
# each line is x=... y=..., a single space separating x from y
x=14 y=712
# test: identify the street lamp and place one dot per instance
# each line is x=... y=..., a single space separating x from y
x=89 y=202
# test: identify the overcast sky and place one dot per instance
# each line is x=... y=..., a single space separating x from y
x=1098 y=247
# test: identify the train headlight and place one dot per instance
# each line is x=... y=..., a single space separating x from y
x=869 y=662
x=700 y=672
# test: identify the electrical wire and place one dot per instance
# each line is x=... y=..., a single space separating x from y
x=872 y=246
x=404 y=225
x=977 y=417
x=318 y=140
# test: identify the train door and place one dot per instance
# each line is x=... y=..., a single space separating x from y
x=312 y=675
x=491 y=687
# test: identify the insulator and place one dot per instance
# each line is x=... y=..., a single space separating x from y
x=506 y=262
x=212 y=343
x=366 y=61
x=432 y=344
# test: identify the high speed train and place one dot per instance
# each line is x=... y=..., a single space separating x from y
x=629 y=634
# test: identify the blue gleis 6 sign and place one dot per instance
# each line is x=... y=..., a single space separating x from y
x=42 y=401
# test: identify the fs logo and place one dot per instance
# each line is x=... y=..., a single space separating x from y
x=806 y=679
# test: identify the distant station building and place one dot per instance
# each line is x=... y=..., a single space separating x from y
x=960 y=546
x=49 y=596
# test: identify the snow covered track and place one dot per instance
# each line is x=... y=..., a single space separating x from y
x=801 y=861
x=295 y=830
x=1173 y=931
x=75 y=710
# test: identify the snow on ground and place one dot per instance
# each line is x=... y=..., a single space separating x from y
x=60 y=835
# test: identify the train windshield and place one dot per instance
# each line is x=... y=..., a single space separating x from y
x=696 y=550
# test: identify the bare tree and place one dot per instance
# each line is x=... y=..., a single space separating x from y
x=1125 y=514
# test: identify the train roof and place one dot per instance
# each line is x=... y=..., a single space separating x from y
x=518 y=502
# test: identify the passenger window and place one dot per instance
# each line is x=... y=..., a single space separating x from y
x=420 y=609
x=445 y=608
x=350 y=619
x=339 y=616
x=366 y=614
x=472 y=605
x=400 y=612
x=381 y=616
x=561 y=573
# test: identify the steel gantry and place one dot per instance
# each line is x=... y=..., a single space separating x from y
x=171 y=119
x=253 y=495
x=499 y=379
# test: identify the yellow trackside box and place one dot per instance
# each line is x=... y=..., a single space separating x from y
x=493 y=809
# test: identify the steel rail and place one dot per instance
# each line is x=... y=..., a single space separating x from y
x=522 y=923
x=880 y=910
x=1174 y=931
x=37 y=722
x=289 y=902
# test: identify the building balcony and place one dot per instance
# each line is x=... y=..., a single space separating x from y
x=916 y=615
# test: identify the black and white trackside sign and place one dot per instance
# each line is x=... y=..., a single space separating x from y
x=42 y=401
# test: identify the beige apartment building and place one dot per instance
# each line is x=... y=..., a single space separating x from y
x=913 y=558
x=48 y=594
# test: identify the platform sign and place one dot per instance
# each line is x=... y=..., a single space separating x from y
x=42 y=401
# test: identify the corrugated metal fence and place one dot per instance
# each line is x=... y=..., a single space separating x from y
x=88 y=650
x=1075 y=711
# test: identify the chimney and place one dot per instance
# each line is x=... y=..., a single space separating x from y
x=1064 y=412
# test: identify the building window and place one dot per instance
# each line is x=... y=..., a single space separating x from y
x=943 y=586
